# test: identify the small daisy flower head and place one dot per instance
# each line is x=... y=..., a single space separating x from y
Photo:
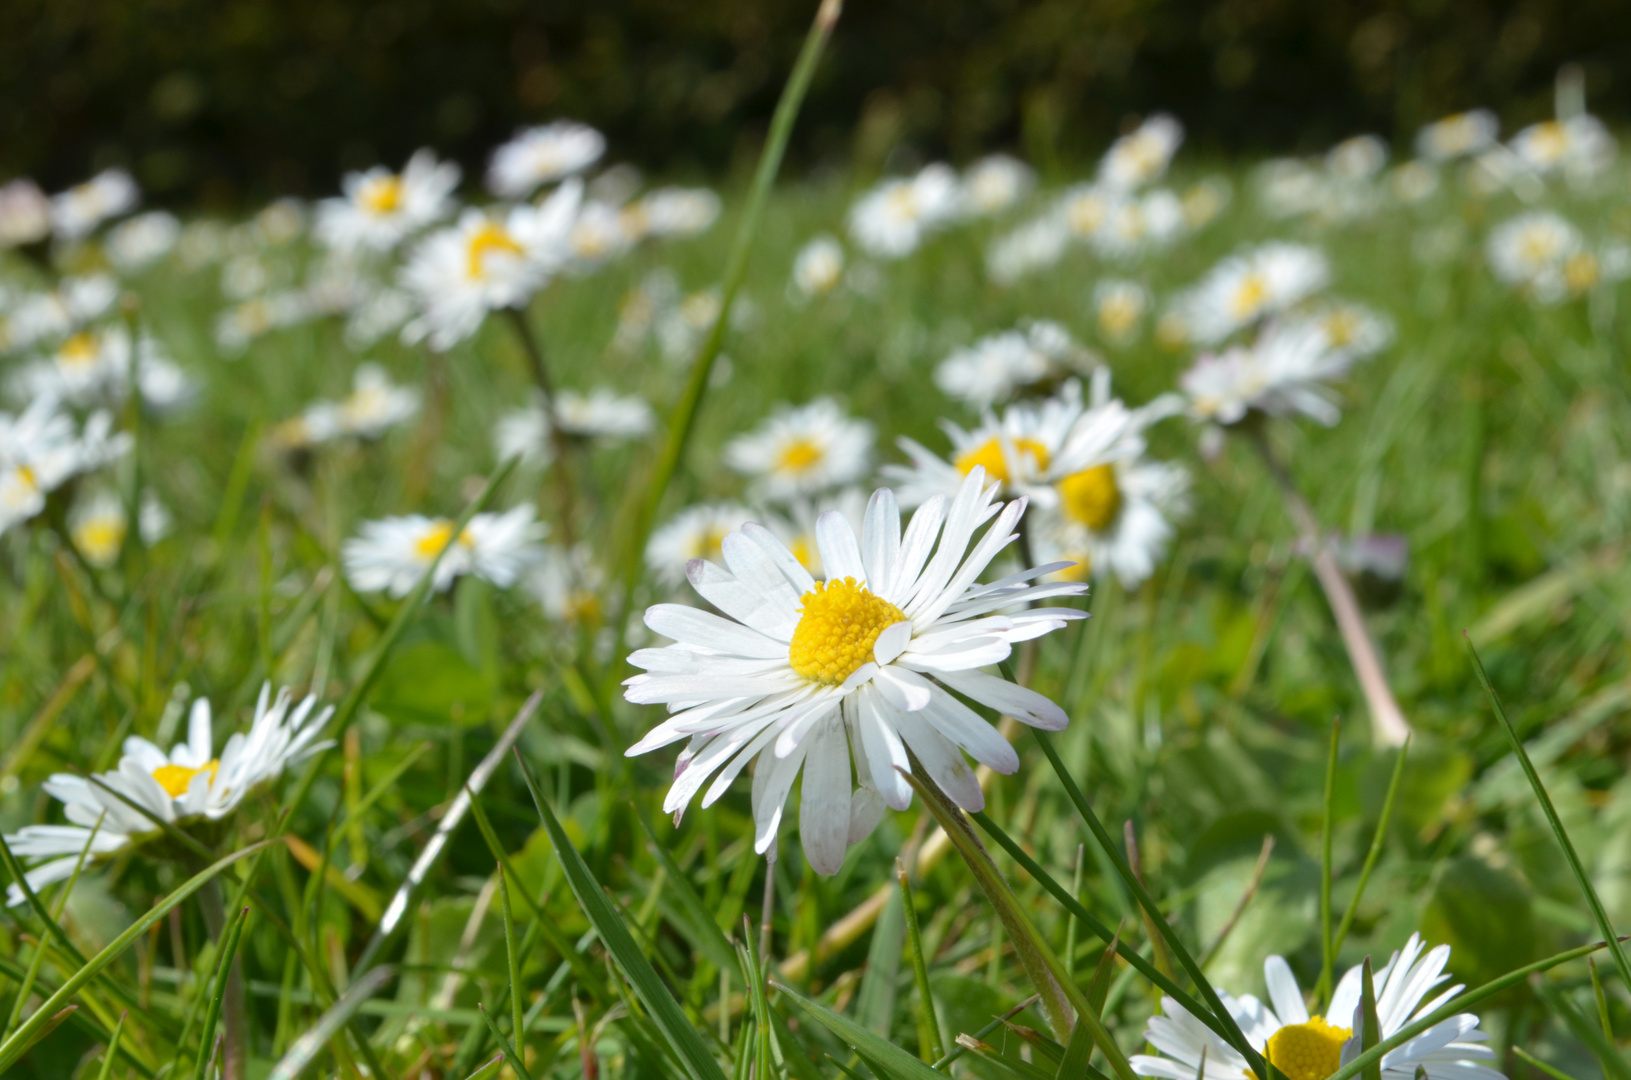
x=602 y=415
x=1119 y=308
x=77 y=212
x=1246 y=288
x=92 y=367
x=677 y=212
x=1413 y=182
x=1142 y=157
x=803 y=451
x=1204 y=201
x=994 y=184
x=74 y=304
x=374 y=406
x=98 y=523
x=190 y=783
x=25 y=213
x=1356 y=159
x=380 y=208
x=1581 y=147
x=1136 y=225
x=694 y=533
x=392 y=554
x=818 y=267
x=1352 y=328
x=42 y=449
x=484 y=263
x=1535 y=252
x=892 y=220
x=1283 y=373
x=1460 y=135
x=600 y=234
x=242 y=323
x=1304 y=1046
x=1084 y=208
x=1035 y=245
x=543 y=155
x=996 y=367
x=838 y=679
x=138 y=243
x=281 y=222
x=568 y=584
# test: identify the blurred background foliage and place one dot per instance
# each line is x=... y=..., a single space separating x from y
x=218 y=101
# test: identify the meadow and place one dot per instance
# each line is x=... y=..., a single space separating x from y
x=469 y=877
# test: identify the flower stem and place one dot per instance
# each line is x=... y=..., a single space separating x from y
x=1389 y=724
x=233 y=1012
x=560 y=444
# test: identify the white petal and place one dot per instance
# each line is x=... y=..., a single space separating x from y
x=884 y=750
x=968 y=729
x=904 y=689
x=1284 y=992
x=840 y=554
x=825 y=801
x=892 y=642
x=942 y=760
x=915 y=547
x=706 y=630
x=1026 y=706
x=880 y=540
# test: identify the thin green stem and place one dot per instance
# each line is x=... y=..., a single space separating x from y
x=1322 y=989
x=1375 y=852
x=931 y=1044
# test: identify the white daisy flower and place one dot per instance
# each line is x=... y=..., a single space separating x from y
x=1282 y=374
x=280 y=222
x=543 y=155
x=76 y=302
x=567 y=583
x=136 y=244
x=457 y=275
x=1205 y=200
x=41 y=449
x=189 y=783
x=92 y=367
x=818 y=267
x=600 y=234
x=803 y=450
x=1580 y=147
x=1035 y=245
x=25 y=213
x=1251 y=286
x=236 y=327
x=1133 y=226
x=1352 y=328
x=77 y=212
x=994 y=368
x=1413 y=182
x=98 y=523
x=677 y=211
x=392 y=554
x=1544 y=255
x=380 y=208
x=995 y=183
x=797 y=530
x=1312 y=1047
x=805 y=675
x=694 y=533
x=1457 y=136
x=1142 y=156
x=601 y=414
x=1119 y=308
x=374 y=406
x=1358 y=158
x=891 y=220
x=381 y=310
x=1084 y=208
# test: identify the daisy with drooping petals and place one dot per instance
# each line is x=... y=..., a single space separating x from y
x=803 y=450
x=483 y=263
x=1312 y=1047
x=994 y=368
x=392 y=554
x=1142 y=156
x=1457 y=136
x=892 y=219
x=41 y=449
x=191 y=782
x=1283 y=373
x=694 y=533
x=543 y=155
x=381 y=208
x=1251 y=286
x=601 y=414
x=77 y=212
x=805 y=676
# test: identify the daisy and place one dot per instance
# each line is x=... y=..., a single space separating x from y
x=1135 y=225
x=92 y=367
x=1456 y=136
x=75 y=303
x=818 y=267
x=392 y=554
x=797 y=531
x=601 y=414
x=189 y=784
x=1282 y=374
x=136 y=244
x=374 y=406
x=1413 y=182
x=567 y=584
x=25 y=213
x=1358 y=158
x=994 y=368
x=694 y=533
x=98 y=523
x=77 y=212
x=1543 y=254
x=995 y=183
x=1253 y=285
x=1580 y=147
x=891 y=220
x=803 y=450
x=457 y=275
x=1142 y=156
x=1084 y=208
x=41 y=449
x=381 y=208
x=543 y=155
x=806 y=675
x=1035 y=245
x=379 y=311
x=676 y=211
x=1119 y=308
x=242 y=323
x=1204 y=201
x=600 y=234
x=1352 y=328
x=1312 y=1047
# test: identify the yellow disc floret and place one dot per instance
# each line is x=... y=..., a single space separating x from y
x=435 y=538
x=798 y=455
x=381 y=195
x=490 y=239
x=1091 y=496
x=1310 y=1051
x=989 y=454
x=1250 y=296
x=175 y=779
x=840 y=623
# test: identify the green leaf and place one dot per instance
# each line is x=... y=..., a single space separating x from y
x=875 y=1002
x=886 y=1059
x=1077 y=1064
x=682 y=1038
x=930 y=1043
x=510 y=1054
x=696 y=922
x=429 y=681
x=1376 y=843
x=1608 y=1055
x=1007 y=1064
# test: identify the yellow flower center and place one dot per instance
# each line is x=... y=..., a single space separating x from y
x=805 y=551
x=1551 y=141
x=799 y=454
x=381 y=195
x=1118 y=314
x=1084 y=214
x=1342 y=327
x=490 y=239
x=840 y=623
x=1091 y=496
x=1310 y=1051
x=1250 y=296
x=989 y=454
x=707 y=544
x=26 y=474
x=1538 y=245
x=430 y=545
x=100 y=538
x=1580 y=271
x=78 y=351
x=175 y=778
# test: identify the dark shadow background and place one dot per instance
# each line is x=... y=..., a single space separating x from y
x=218 y=101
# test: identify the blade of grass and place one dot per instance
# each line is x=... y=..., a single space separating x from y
x=1372 y=1033
x=509 y=1051
x=1603 y=1049
x=875 y=1002
x=704 y=932
x=1602 y=999
x=883 y=1056
x=309 y=1045
x=1256 y=882
x=1550 y=1070
x=517 y=1006
x=1598 y=912
x=1098 y=989
x=957 y=1051
x=113 y=1048
x=223 y=970
x=1322 y=989
x=1006 y=1064
x=930 y=1045
x=1375 y=851
x=38 y=958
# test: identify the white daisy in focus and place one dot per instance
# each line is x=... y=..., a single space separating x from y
x=25 y=213
x=676 y=212
x=1142 y=157
x=1283 y=373
x=392 y=554
x=804 y=676
x=136 y=244
x=891 y=220
x=189 y=783
x=77 y=212
x=600 y=415
x=1302 y=1046
x=1248 y=287
x=98 y=523
x=1581 y=147
x=42 y=449
x=994 y=368
x=994 y=184
x=483 y=263
x=543 y=155
x=1460 y=135
x=694 y=533
x=803 y=450
x=379 y=208
x=92 y=367
x=818 y=267
x=1119 y=308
